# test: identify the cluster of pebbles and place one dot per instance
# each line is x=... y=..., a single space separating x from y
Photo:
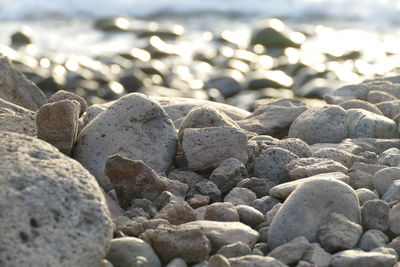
x=170 y=181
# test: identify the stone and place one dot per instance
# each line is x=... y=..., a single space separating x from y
x=257 y=185
x=364 y=195
x=271 y=164
x=17 y=119
x=134 y=179
x=274 y=35
x=226 y=83
x=306 y=167
x=240 y=196
x=360 y=104
x=360 y=179
x=176 y=213
x=187 y=177
x=57 y=124
x=341 y=156
x=390 y=157
x=65 y=95
x=375 y=215
x=221 y=211
x=376 y=97
x=366 y=167
x=393 y=192
x=364 y=88
x=390 y=108
x=376 y=145
x=206 y=148
x=135 y=128
x=189 y=243
x=373 y=239
x=344 y=93
x=282 y=191
x=177 y=262
x=236 y=249
x=327 y=124
x=209 y=189
x=198 y=200
x=265 y=203
x=129 y=251
x=309 y=207
x=255 y=261
x=166 y=197
x=394 y=219
x=395 y=244
x=205 y=116
x=389 y=251
x=367 y=124
x=273 y=118
x=350 y=258
x=272 y=213
x=384 y=178
x=249 y=215
x=228 y=174
x=292 y=251
x=105 y=263
x=46 y=194
x=224 y=233
x=296 y=146
x=317 y=255
x=218 y=261
x=339 y=233
x=17 y=89
x=346 y=145
x=22 y=37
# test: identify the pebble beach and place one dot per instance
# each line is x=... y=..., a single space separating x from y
x=189 y=137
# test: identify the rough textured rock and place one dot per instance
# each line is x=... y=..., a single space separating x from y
x=367 y=124
x=305 y=167
x=292 y=251
x=386 y=86
x=249 y=215
x=384 y=178
x=318 y=255
x=341 y=156
x=222 y=212
x=255 y=261
x=257 y=185
x=130 y=251
x=271 y=164
x=327 y=124
x=134 y=179
x=63 y=95
x=228 y=174
x=390 y=157
x=188 y=243
x=375 y=215
x=187 y=177
x=360 y=104
x=209 y=189
x=17 y=89
x=176 y=213
x=206 y=148
x=389 y=109
x=236 y=249
x=376 y=97
x=46 y=194
x=17 y=119
x=339 y=233
x=240 y=196
x=134 y=127
x=350 y=258
x=309 y=206
x=372 y=239
x=57 y=124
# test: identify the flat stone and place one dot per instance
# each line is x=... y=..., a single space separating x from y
x=375 y=215
x=390 y=157
x=46 y=194
x=306 y=167
x=360 y=104
x=309 y=207
x=377 y=145
x=350 y=258
x=341 y=156
x=228 y=174
x=17 y=89
x=376 y=97
x=390 y=108
x=292 y=251
x=134 y=127
x=364 y=88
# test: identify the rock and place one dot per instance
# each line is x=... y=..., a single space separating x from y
x=189 y=243
x=129 y=251
x=341 y=156
x=167 y=197
x=228 y=174
x=384 y=178
x=389 y=251
x=17 y=89
x=134 y=179
x=271 y=164
x=395 y=244
x=360 y=179
x=205 y=116
x=347 y=92
x=367 y=124
x=393 y=192
x=274 y=118
x=360 y=104
x=22 y=37
x=376 y=97
x=306 y=167
x=177 y=262
x=64 y=202
x=394 y=219
x=58 y=124
x=176 y=213
x=296 y=146
x=218 y=261
x=350 y=258
x=373 y=239
x=390 y=157
x=224 y=233
x=282 y=191
x=226 y=83
x=272 y=213
x=64 y=95
x=346 y=145
x=377 y=145
x=389 y=108
x=240 y=196
x=364 y=195
x=144 y=133
x=255 y=261
x=17 y=119
x=375 y=215
x=292 y=251
x=339 y=233
x=364 y=88
x=309 y=207
x=209 y=189
x=257 y=185
x=187 y=177
x=317 y=255
x=198 y=200
x=236 y=249
x=249 y=215
x=327 y=124
x=264 y=204
x=206 y=148
x=221 y=211
x=105 y=263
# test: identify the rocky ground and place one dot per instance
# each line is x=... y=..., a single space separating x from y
x=162 y=180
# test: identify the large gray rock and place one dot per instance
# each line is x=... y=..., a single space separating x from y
x=305 y=167
x=327 y=124
x=255 y=261
x=367 y=124
x=17 y=89
x=130 y=251
x=53 y=212
x=384 y=178
x=309 y=207
x=206 y=148
x=134 y=127
x=17 y=119
x=351 y=258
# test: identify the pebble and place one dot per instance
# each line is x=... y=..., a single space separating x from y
x=240 y=196
x=177 y=262
x=176 y=213
x=364 y=195
x=228 y=174
x=257 y=185
x=65 y=95
x=218 y=261
x=221 y=211
x=249 y=215
x=292 y=251
x=306 y=167
x=265 y=203
x=236 y=249
x=372 y=239
x=375 y=215
x=376 y=97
